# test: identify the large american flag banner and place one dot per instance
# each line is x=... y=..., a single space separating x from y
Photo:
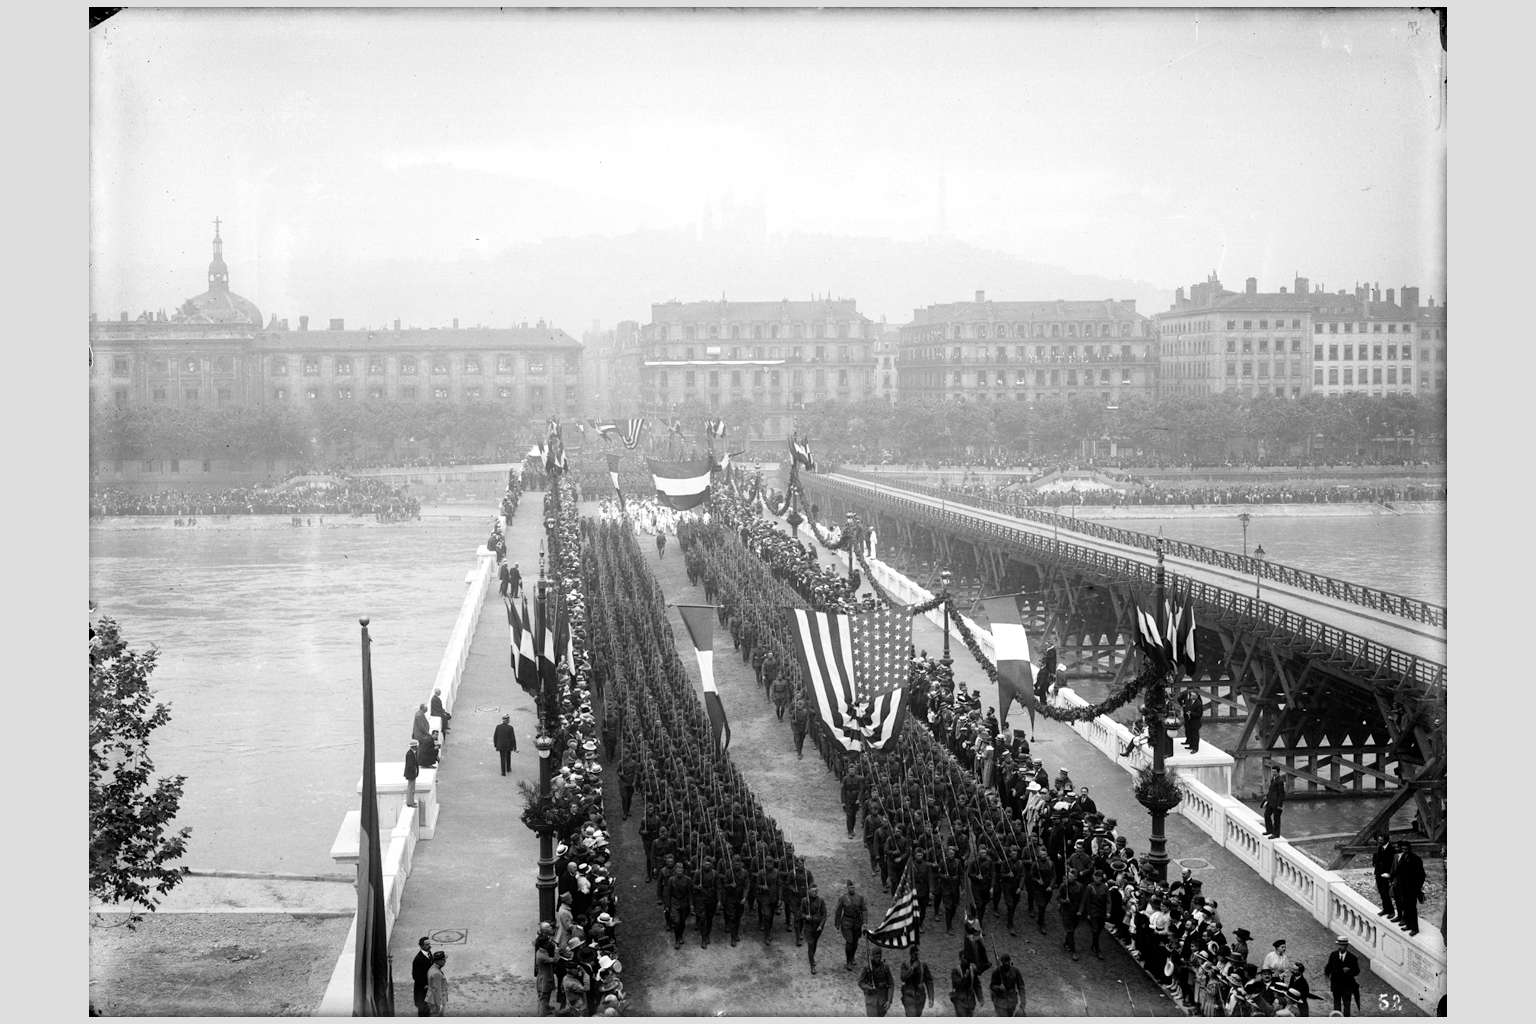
x=856 y=667
x=632 y=430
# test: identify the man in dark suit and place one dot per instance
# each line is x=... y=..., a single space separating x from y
x=440 y=711
x=1274 y=803
x=426 y=751
x=1342 y=969
x=505 y=742
x=1381 y=867
x=1407 y=886
x=412 y=769
x=420 y=965
x=515 y=581
x=1194 y=711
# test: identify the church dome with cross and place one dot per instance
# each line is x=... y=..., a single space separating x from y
x=218 y=305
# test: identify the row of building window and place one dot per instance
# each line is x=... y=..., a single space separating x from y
x=1349 y=352
x=795 y=353
x=1264 y=368
x=798 y=330
x=1054 y=378
x=760 y=378
x=1375 y=373
x=1263 y=325
x=410 y=393
x=1042 y=353
x=343 y=366
x=1349 y=328
x=1263 y=345
x=1056 y=330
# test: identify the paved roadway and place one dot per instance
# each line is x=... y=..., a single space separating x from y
x=1414 y=638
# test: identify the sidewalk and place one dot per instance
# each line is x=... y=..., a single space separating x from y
x=1243 y=900
x=472 y=886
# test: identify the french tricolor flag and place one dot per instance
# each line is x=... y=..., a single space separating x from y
x=700 y=620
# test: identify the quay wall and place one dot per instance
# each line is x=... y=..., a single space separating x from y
x=410 y=826
x=1415 y=965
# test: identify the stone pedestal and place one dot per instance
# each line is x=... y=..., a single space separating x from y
x=390 y=785
x=1212 y=767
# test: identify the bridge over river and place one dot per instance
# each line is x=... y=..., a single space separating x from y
x=1340 y=685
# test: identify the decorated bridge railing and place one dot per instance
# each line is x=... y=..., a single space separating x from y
x=1410 y=608
x=1365 y=656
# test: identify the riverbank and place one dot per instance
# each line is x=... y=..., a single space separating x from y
x=443 y=512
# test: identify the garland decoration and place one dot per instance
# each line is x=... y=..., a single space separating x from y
x=548 y=814
x=1159 y=794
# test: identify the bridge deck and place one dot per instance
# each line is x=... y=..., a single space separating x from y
x=1413 y=638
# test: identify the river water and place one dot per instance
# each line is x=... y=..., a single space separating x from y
x=259 y=658
x=258 y=638
x=1404 y=554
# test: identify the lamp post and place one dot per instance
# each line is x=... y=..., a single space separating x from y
x=546 y=880
x=1155 y=712
x=848 y=522
x=1243 y=518
x=1258 y=563
x=944 y=578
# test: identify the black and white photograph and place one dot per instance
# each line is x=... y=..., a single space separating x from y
x=1042 y=412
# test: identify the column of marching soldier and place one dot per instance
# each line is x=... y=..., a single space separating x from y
x=997 y=828
x=972 y=810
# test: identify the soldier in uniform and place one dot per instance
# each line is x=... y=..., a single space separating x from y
x=964 y=987
x=877 y=984
x=733 y=898
x=853 y=791
x=916 y=984
x=779 y=691
x=799 y=719
x=1009 y=882
x=678 y=899
x=1042 y=878
x=706 y=897
x=849 y=919
x=768 y=895
x=814 y=911
x=983 y=873
x=1007 y=988
x=629 y=774
x=951 y=878
x=795 y=884
x=922 y=883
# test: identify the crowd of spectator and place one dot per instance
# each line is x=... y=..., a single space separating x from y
x=1155 y=493
x=353 y=496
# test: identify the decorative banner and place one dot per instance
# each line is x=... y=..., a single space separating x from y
x=899 y=929
x=715 y=428
x=700 y=620
x=1016 y=673
x=800 y=452
x=830 y=646
x=613 y=474
x=681 y=485
x=632 y=431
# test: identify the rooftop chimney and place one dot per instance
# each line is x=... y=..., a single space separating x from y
x=338 y=324
x=1303 y=286
x=1282 y=290
x=981 y=296
x=123 y=316
x=304 y=323
x=282 y=324
x=397 y=325
x=1253 y=286
x=1178 y=297
x=1410 y=300
x=1390 y=297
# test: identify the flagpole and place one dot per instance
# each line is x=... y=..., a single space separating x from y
x=373 y=990
x=1155 y=709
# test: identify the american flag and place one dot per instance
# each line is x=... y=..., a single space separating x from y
x=881 y=640
x=632 y=431
x=899 y=929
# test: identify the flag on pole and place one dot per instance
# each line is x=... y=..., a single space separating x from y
x=527 y=657
x=1150 y=635
x=632 y=431
x=800 y=452
x=516 y=625
x=674 y=426
x=681 y=485
x=899 y=928
x=716 y=428
x=373 y=990
x=1014 y=664
x=700 y=620
x=1184 y=640
x=554 y=426
x=544 y=641
x=608 y=429
x=613 y=474
x=535 y=452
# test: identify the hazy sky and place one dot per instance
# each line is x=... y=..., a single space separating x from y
x=1155 y=146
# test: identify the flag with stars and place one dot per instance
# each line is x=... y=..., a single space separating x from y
x=882 y=640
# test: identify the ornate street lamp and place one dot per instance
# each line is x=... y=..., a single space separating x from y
x=1243 y=518
x=848 y=524
x=1258 y=565
x=1155 y=712
x=944 y=578
x=546 y=880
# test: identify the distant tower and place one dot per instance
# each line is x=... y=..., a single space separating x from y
x=218 y=273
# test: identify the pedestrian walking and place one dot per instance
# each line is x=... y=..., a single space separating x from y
x=661 y=544
x=437 y=986
x=421 y=963
x=505 y=742
x=1342 y=971
x=814 y=910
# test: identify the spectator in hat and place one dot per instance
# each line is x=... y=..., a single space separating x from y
x=505 y=742
x=1342 y=970
x=1407 y=886
x=1274 y=803
x=1382 y=860
x=1276 y=962
x=1240 y=939
x=412 y=770
x=544 y=965
x=437 y=986
x=440 y=711
x=1299 y=989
